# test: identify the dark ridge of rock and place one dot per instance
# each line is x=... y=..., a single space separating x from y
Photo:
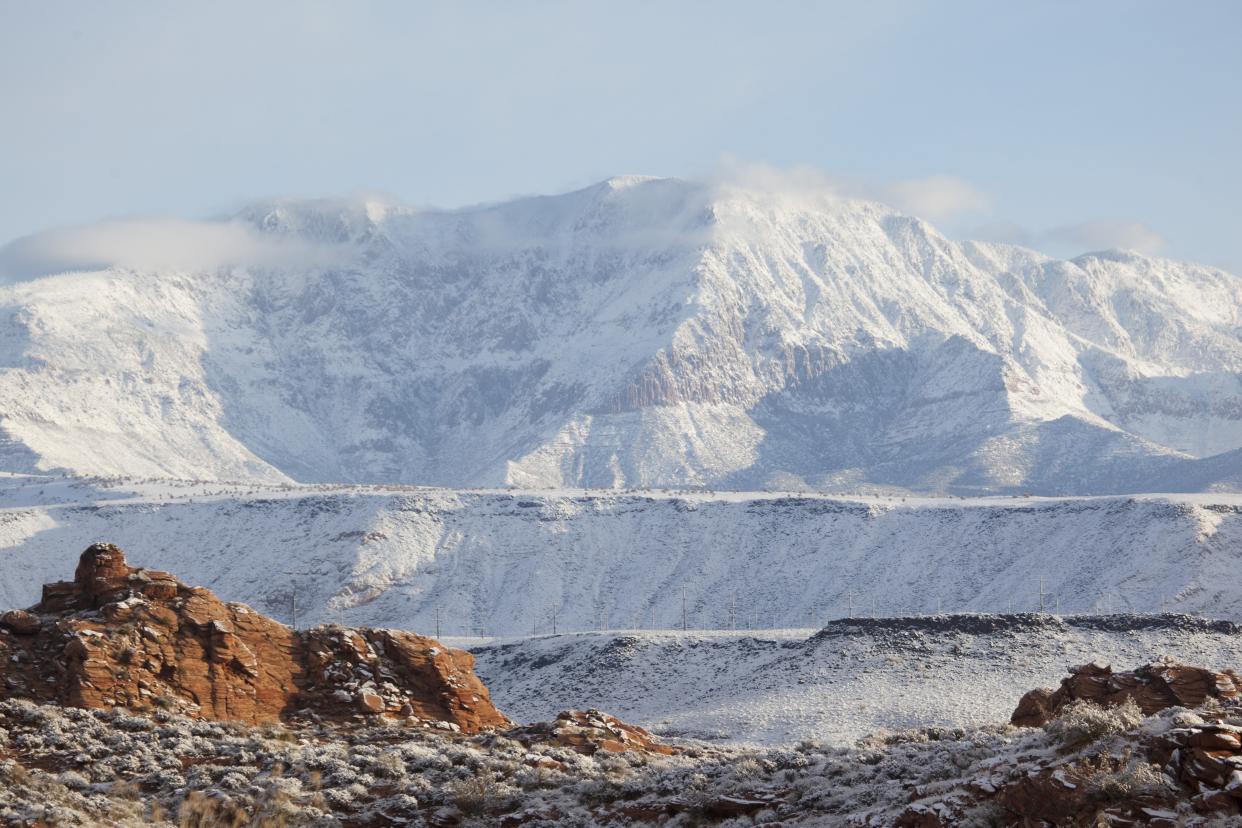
x=990 y=623
x=1153 y=687
x=118 y=636
x=967 y=623
x=1165 y=621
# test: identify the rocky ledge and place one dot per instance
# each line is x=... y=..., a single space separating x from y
x=1153 y=687
x=1159 y=745
x=119 y=636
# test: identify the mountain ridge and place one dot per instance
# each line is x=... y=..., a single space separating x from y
x=641 y=331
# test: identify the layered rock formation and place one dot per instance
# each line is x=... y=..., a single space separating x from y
x=1153 y=687
x=141 y=639
x=1181 y=767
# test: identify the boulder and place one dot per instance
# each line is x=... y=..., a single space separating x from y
x=20 y=622
x=1153 y=687
x=590 y=732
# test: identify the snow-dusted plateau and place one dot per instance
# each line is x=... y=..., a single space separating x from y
x=512 y=563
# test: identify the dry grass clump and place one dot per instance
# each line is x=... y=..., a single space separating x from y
x=1123 y=777
x=1082 y=723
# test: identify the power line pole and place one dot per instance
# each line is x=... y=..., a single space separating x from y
x=733 y=611
x=1041 y=595
x=437 y=622
x=683 y=609
x=851 y=605
x=293 y=594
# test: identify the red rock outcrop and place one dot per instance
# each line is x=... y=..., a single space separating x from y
x=1186 y=770
x=1201 y=761
x=140 y=639
x=590 y=732
x=1153 y=687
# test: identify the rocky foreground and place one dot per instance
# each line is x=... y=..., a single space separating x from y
x=133 y=699
x=1088 y=766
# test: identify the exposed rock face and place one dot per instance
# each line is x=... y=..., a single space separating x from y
x=1200 y=762
x=1183 y=767
x=590 y=732
x=141 y=639
x=1153 y=687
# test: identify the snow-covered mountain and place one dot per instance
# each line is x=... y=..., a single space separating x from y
x=640 y=332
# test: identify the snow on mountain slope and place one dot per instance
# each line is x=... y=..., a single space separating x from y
x=850 y=680
x=507 y=563
x=649 y=332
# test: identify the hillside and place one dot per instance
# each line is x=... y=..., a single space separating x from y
x=639 y=332
x=504 y=563
x=853 y=678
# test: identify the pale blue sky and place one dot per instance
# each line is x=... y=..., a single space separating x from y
x=1072 y=125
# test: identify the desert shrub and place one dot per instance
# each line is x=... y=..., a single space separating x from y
x=133 y=723
x=13 y=774
x=279 y=733
x=1123 y=778
x=276 y=807
x=198 y=810
x=478 y=794
x=1082 y=722
x=125 y=789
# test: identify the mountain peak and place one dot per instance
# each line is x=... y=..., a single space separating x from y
x=625 y=182
x=642 y=331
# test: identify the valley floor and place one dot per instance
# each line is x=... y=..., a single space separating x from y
x=853 y=678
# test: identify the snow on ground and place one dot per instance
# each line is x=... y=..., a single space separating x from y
x=509 y=563
x=515 y=562
x=854 y=678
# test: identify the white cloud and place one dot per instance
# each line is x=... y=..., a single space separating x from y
x=1073 y=239
x=1004 y=232
x=802 y=181
x=1098 y=235
x=936 y=197
x=159 y=244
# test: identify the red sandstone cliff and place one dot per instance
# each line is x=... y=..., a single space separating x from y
x=139 y=638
